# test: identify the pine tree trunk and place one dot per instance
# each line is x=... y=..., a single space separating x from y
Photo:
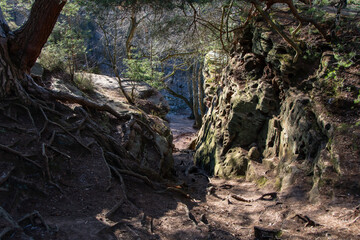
x=20 y=49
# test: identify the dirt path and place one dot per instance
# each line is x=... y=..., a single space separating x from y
x=213 y=208
x=181 y=127
x=197 y=207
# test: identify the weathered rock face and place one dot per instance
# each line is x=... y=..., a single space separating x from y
x=148 y=99
x=147 y=138
x=258 y=120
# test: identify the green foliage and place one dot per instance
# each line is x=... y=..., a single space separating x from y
x=66 y=44
x=52 y=57
x=84 y=82
x=143 y=69
x=332 y=78
x=260 y=182
x=14 y=9
x=357 y=101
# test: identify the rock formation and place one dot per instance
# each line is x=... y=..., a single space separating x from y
x=264 y=120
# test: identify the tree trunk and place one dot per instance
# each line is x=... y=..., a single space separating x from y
x=201 y=91
x=190 y=89
x=131 y=33
x=26 y=43
x=175 y=94
x=20 y=49
x=196 y=98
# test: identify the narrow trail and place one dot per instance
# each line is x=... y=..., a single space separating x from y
x=202 y=207
x=182 y=129
x=238 y=209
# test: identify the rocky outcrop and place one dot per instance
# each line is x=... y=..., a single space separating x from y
x=259 y=124
x=147 y=98
x=147 y=138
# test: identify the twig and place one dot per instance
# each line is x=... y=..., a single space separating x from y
x=241 y=199
x=265 y=197
x=58 y=151
x=353 y=221
x=174 y=189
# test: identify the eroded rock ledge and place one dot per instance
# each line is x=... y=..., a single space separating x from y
x=262 y=123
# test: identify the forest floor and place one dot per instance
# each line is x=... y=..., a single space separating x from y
x=201 y=208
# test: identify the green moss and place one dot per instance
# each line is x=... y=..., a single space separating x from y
x=278 y=183
x=260 y=182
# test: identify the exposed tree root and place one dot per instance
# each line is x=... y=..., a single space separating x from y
x=34 y=219
x=136 y=175
x=63 y=128
x=265 y=197
x=12 y=151
x=69 y=98
x=58 y=123
x=6 y=174
x=306 y=220
x=115 y=208
x=108 y=169
x=13 y=224
x=29 y=184
x=28 y=112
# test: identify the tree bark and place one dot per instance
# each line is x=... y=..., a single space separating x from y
x=25 y=43
x=133 y=25
x=196 y=97
x=201 y=91
x=20 y=49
